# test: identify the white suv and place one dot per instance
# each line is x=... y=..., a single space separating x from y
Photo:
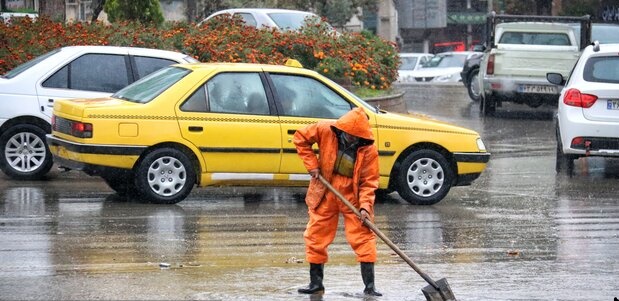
x=27 y=95
x=588 y=112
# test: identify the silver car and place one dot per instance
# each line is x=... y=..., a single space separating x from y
x=283 y=19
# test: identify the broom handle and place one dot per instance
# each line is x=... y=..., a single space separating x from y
x=380 y=234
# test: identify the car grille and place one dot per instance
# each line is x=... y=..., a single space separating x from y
x=424 y=79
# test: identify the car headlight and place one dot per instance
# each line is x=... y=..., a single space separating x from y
x=445 y=78
x=480 y=145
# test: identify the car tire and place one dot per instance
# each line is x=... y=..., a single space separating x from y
x=169 y=166
x=487 y=105
x=24 y=154
x=563 y=162
x=425 y=177
x=473 y=87
x=123 y=183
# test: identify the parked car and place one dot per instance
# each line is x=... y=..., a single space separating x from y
x=232 y=124
x=588 y=112
x=410 y=62
x=604 y=33
x=469 y=74
x=10 y=17
x=443 y=67
x=28 y=92
x=283 y=19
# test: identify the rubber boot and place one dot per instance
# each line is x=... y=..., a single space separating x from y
x=315 y=286
x=367 y=273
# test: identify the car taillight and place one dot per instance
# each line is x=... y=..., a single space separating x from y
x=578 y=142
x=490 y=68
x=574 y=98
x=53 y=122
x=81 y=130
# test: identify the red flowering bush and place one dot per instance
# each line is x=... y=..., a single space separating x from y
x=359 y=58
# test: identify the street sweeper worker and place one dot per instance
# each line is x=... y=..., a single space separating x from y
x=348 y=159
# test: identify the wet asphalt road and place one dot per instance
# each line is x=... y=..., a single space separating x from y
x=520 y=232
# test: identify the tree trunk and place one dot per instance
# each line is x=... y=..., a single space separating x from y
x=2 y=5
x=54 y=9
x=97 y=8
x=191 y=10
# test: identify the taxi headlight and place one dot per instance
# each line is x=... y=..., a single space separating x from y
x=480 y=145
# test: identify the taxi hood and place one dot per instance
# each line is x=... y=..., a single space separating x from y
x=418 y=121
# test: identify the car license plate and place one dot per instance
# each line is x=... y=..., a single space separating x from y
x=612 y=104
x=537 y=89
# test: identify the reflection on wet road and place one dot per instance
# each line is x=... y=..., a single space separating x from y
x=520 y=232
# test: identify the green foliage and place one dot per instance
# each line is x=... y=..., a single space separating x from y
x=580 y=8
x=353 y=59
x=144 y=11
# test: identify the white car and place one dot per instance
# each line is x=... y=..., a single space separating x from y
x=410 y=62
x=443 y=67
x=283 y=19
x=588 y=111
x=28 y=91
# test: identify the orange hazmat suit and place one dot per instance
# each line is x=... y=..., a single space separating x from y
x=323 y=206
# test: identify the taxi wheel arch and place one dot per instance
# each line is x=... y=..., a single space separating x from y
x=180 y=174
x=33 y=130
x=440 y=166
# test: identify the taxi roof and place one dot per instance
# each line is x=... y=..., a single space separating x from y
x=292 y=66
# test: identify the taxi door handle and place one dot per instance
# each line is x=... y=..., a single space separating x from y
x=195 y=129
x=291 y=132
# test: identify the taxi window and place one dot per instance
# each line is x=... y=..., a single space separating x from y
x=307 y=97
x=237 y=92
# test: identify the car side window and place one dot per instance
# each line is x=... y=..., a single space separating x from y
x=92 y=72
x=196 y=102
x=237 y=93
x=306 y=97
x=147 y=65
x=249 y=19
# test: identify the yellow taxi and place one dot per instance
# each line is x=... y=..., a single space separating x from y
x=211 y=124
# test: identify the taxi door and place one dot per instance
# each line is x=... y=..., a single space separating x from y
x=301 y=101
x=229 y=119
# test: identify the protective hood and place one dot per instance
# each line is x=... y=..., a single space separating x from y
x=356 y=123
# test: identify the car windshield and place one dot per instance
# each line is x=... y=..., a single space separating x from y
x=149 y=87
x=446 y=61
x=27 y=65
x=408 y=62
x=292 y=21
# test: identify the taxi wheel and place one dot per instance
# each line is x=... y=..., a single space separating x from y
x=165 y=176
x=425 y=177
x=24 y=155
